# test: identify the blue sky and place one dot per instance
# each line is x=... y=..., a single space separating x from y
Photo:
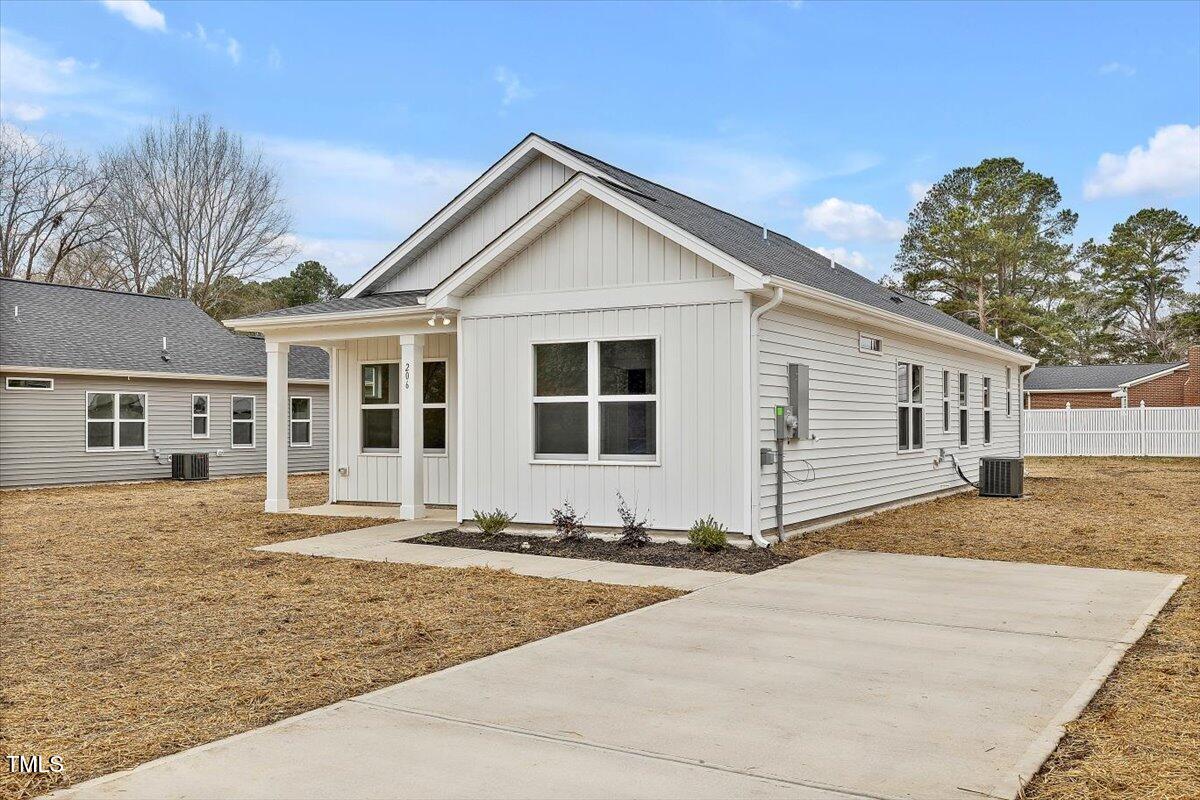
x=821 y=120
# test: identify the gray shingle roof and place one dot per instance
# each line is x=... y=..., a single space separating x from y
x=365 y=303
x=1101 y=377
x=77 y=328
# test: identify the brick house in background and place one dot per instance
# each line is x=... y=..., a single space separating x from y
x=1116 y=385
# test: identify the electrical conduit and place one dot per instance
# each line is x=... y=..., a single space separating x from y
x=755 y=534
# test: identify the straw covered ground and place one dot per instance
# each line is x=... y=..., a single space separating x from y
x=1140 y=736
x=137 y=622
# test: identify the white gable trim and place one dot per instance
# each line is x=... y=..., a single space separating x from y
x=554 y=208
x=1152 y=376
x=529 y=145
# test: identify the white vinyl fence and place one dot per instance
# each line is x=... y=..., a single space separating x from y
x=1137 y=431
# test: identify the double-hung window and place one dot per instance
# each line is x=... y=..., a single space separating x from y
x=945 y=401
x=116 y=421
x=964 y=431
x=242 y=412
x=300 y=423
x=380 y=408
x=596 y=400
x=910 y=425
x=433 y=406
x=987 y=410
x=200 y=416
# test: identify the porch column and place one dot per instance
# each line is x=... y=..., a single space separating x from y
x=412 y=428
x=277 y=426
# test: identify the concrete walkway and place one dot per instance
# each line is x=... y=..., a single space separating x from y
x=843 y=675
x=386 y=543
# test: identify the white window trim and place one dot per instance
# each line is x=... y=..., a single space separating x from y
x=376 y=451
x=253 y=422
x=910 y=403
x=945 y=401
x=116 y=420
x=986 y=406
x=8 y=384
x=593 y=399
x=292 y=420
x=442 y=452
x=873 y=337
x=207 y=417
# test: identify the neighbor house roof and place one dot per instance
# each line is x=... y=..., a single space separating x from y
x=1100 y=377
x=68 y=327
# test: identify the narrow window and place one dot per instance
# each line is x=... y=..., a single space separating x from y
x=963 y=429
x=870 y=344
x=116 y=420
x=242 y=411
x=381 y=408
x=433 y=404
x=628 y=400
x=945 y=401
x=199 y=416
x=910 y=419
x=560 y=400
x=1008 y=391
x=987 y=410
x=300 y=427
x=29 y=384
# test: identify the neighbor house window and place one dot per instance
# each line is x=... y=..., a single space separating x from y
x=381 y=408
x=945 y=401
x=870 y=344
x=116 y=420
x=433 y=406
x=242 y=410
x=30 y=384
x=300 y=427
x=1008 y=391
x=596 y=400
x=910 y=425
x=987 y=410
x=963 y=429
x=199 y=416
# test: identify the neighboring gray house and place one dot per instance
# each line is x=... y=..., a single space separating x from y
x=103 y=386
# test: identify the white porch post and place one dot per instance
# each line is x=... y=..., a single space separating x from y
x=277 y=426
x=412 y=428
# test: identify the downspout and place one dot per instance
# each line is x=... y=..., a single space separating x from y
x=755 y=411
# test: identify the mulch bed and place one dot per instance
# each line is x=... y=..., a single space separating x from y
x=667 y=554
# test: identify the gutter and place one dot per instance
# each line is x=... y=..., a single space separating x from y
x=775 y=300
x=293 y=320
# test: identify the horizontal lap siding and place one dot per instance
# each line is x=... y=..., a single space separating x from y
x=42 y=433
x=853 y=413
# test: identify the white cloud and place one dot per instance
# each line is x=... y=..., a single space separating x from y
x=1168 y=165
x=138 y=13
x=218 y=42
x=274 y=58
x=1117 y=68
x=843 y=221
x=22 y=112
x=853 y=259
x=234 y=50
x=514 y=90
x=918 y=189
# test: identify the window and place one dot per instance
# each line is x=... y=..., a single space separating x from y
x=29 y=384
x=1008 y=391
x=433 y=406
x=199 y=416
x=242 y=410
x=596 y=400
x=963 y=429
x=870 y=344
x=945 y=401
x=987 y=410
x=116 y=421
x=910 y=425
x=300 y=427
x=381 y=408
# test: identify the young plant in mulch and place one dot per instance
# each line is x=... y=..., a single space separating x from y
x=708 y=535
x=568 y=524
x=633 y=529
x=492 y=523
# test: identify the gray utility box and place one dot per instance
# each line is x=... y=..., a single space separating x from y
x=189 y=466
x=1001 y=477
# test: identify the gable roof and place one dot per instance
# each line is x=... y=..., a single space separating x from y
x=367 y=302
x=1100 y=377
x=47 y=325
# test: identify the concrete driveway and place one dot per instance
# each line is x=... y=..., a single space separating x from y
x=843 y=675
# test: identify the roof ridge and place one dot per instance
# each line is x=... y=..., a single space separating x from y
x=92 y=289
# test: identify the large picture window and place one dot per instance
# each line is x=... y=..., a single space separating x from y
x=300 y=422
x=200 y=416
x=910 y=399
x=242 y=430
x=381 y=408
x=964 y=434
x=987 y=410
x=433 y=406
x=596 y=400
x=116 y=421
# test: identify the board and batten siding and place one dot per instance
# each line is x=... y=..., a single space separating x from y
x=42 y=433
x=512 y=201
x=375 y=477
x=854 y=462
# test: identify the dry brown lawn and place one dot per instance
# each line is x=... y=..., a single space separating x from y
x=1140 y=736
x=137 y=622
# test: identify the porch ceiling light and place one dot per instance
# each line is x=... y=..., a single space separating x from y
x=433 y=321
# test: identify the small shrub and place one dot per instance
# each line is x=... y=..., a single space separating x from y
x=567 y=523
x=492 y=523
x=633 y=530
x=708 y=535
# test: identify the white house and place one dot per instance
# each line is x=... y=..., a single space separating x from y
x=564 y=330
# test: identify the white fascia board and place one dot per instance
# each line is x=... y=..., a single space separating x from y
x=542 y=217
x=838 y=306
x=530 y=143
x=1158 y=374
x=253 y=324
x=1073 y=391
x=179 y=376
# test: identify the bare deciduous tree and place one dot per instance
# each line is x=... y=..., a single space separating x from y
x=134 y=254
